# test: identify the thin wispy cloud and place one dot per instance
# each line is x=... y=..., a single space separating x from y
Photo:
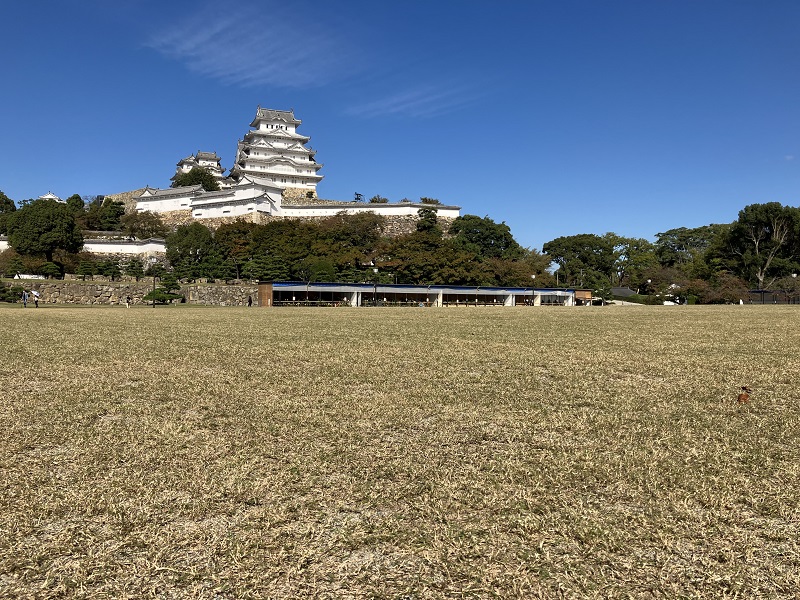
x=424 y=101
x=251 y=48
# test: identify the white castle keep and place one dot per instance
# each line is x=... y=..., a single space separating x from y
x=272 y=167
x=207 y=160
x=276 y=152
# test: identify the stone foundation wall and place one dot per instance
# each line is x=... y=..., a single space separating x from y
x=395 y=226
x=299 y=196
x=113 y=293
x=127 y=198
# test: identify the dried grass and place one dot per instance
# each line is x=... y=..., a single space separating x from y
x=410 y=453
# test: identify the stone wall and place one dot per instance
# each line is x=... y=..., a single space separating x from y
x=395 y=225
x=220 y=295
x=111 y=293
x=299 y=196
x=127 y=198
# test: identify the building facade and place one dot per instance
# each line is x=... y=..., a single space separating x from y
x=207 y=160
x=273 y=168
x=275 y=152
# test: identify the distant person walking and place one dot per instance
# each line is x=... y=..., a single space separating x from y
x=249 y=301
x=127 y=301
x=35 y=298
x=24 y=299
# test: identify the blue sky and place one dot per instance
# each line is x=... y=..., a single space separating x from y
x=557 y=117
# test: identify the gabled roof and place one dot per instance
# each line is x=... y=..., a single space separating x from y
x=260 y=143
x=207 y=156
x=156 y=194
x=50 y=196
x=276 y=133
x=270 y=114
x=248 y=179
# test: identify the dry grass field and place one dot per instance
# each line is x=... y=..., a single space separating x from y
x=399 y=453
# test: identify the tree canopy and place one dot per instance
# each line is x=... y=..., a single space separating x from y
x=197 y=175
x=484 y=237
x=103 y=214
x=761 y=245
x=7 y=206
x=42 y=227
x=143 y=225
x=349 y=248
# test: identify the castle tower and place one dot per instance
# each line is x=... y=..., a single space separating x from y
x=207 y=160
x=276 y=152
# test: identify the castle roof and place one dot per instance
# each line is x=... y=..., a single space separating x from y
x=276 y=133
x=51 y=196
x=270 y=114
x=159 y=194
x=258 y=181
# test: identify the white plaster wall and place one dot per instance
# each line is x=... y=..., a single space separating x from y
x=123 y=247
x=223 y=210
x=4 y=245
x=169 y=204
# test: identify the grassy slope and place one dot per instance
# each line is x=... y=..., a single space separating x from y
x=388 y=452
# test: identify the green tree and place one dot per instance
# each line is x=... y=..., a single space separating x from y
x=42 y=227
x=143 y=225
x=632 y=258
x=103 y=214
x=134 y=268
x=110 y=269
x=266 y=268
x=236 y=242
x=315 y=268
x=584 y=260
x=7 y=206
x=758 y=246
x=11 y=263
x=86 y=267
x=426 y=200
x=50 y=270
x=75 y=203
x=285 y=240
x=687 y=248
x=197 y=175
x=377 y=199
x=187 y=249
x=427 y=221
x=484 y=237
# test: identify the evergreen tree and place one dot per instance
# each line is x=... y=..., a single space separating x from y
x=197 y=175
x=42 y=227
x=7 y=206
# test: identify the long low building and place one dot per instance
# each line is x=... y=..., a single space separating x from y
x=147 y=247
x=293 y=293
x=254 y=195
